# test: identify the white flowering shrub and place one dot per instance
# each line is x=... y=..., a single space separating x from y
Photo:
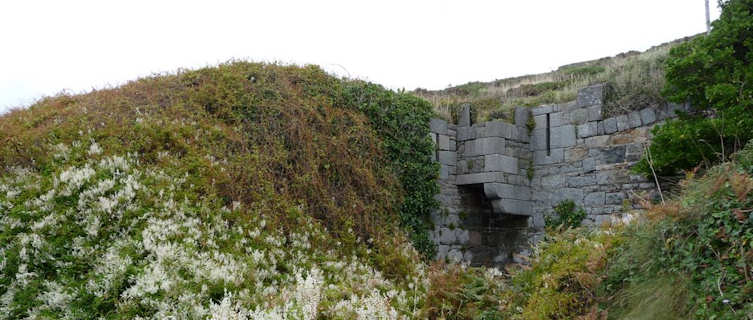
x=99 y=236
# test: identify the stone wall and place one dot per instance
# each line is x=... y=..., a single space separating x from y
x=499 y=180
x=588 y=159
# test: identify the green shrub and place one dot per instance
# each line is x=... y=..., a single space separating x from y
x=566 y=214
x=584 y=70
x=699 y=244
x=714 y=73
x=564 y=276
x=457 y=293
x=401 y=120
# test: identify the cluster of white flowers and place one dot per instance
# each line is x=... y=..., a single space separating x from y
x=152 y=250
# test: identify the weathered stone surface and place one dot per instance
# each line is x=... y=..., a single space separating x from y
x=589 y=165
x=635 y=119
x=464 y=117
x=595 y=199
x=466 y=133
x=581 y=181
x=512 y=206
x=443 y=142
x=543 y=110
x=648 y=116
x=540 y=121
x=615 y=198
x=501 y=172
x=447 y=236
x=462 y=236
x=610 y=125
x=444 y=172
x=614 y=154
x=476 y=178
x=447 y=157
x=563 y=137
x=574 y=194
x=492 y=145
x=597 y=142
x=590 y=96
x=579 y=116
x=623 y=123
x=521 y=116
x=499 y=129
x=505 y=190
x=538 y=139
x=438 y=126
x=497 y=162
x=543 y=157
x=575 y=154
x=557 y=119
x=594 y=113
x=586 y=130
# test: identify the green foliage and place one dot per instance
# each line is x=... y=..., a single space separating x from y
x=566 y=214
x=703 y=242
x=531 y=123
x=458 y=294
x=714 y=74
x=584 y=70
x=564 y=276
x=402 y=122
x=530 y=172
x=682 y=144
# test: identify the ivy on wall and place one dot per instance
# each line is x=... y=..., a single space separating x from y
x=402 y=120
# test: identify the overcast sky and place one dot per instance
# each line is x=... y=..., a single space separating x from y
x=49 y=46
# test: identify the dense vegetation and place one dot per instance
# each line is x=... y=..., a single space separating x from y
x=257 y=191
x=691 y=258
x=250 y=189
x=714 y=73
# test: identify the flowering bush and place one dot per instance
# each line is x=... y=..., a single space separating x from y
x=98 y=236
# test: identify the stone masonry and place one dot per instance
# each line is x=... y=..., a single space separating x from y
x=499 y=180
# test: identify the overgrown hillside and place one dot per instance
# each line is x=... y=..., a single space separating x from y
x=636 y=79
x=245 y=189
x=691 y=258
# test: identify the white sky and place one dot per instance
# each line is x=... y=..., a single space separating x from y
x=48 y=46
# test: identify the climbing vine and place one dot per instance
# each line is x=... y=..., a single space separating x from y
x=401 y=120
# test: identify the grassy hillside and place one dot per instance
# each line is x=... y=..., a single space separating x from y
x=635 y=77
x=247 y=189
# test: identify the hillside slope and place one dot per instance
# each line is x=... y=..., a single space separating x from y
x=255 y=190
x=636 y=79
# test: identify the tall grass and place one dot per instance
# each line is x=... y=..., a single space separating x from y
x=636 y=78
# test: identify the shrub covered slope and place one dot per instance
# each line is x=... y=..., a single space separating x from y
x=246 y=189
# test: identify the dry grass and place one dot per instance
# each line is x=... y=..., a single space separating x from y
x=636 y=77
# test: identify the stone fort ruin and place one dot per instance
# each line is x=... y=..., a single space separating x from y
x=499 y=180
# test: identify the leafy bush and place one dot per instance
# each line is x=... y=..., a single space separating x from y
x=463 y=293
x=715 y=74
x=566 y=214
x=401 y=120
x=702 y=243
x=565 y=274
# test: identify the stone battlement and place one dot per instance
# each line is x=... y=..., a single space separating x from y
x=498 y=180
